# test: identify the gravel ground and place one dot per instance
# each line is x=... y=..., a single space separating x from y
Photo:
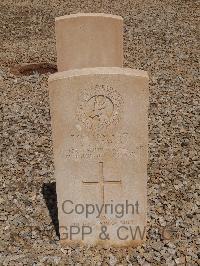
x=160 y=37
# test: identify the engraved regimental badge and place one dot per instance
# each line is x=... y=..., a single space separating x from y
x=99 y=108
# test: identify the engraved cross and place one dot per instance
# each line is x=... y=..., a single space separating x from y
x=102 y=182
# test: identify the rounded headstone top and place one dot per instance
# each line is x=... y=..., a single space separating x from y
x=99 y=71
x=77 y=15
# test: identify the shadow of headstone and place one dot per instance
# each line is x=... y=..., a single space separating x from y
x=49 y=194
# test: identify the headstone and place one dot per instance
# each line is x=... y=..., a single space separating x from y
x=89 y=40
x=100 y=138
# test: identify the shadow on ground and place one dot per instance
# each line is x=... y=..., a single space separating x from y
x=49 y=194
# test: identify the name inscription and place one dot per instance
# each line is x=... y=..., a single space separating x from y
x=84 y=147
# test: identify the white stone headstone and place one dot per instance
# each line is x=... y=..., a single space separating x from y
x=89 y=40
x=100 y=138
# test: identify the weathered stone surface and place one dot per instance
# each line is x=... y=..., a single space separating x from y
x=157 y=39
x=89 y=40
x=99 y=120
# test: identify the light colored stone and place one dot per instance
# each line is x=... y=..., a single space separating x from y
x=99 y=121
x=180 y=260
x=89 y=40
